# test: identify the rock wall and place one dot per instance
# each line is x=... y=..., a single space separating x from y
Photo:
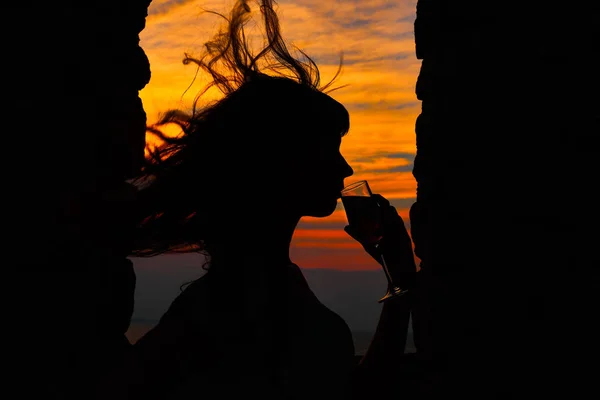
x=506 y=219
x=74 y=131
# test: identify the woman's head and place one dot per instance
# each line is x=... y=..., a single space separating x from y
x=270 y=144
x=290 y=153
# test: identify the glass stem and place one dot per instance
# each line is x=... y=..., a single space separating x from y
x=385 y=267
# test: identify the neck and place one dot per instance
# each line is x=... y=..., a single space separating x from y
x=268 y=239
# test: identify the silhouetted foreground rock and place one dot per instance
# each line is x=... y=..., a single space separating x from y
x=507 y=214
x=75 y=132
x=506 y=220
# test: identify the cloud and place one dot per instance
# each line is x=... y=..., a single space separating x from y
x=165 y=6
x=382 y=164
x=396 y=155
x=403 y=205
x=375 y=36
x=380 y=68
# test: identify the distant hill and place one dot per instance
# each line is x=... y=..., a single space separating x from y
x=351 y=294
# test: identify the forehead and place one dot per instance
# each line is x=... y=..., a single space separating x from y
x=327 y=117
x=325 y=125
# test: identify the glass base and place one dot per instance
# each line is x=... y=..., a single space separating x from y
x=392 y=293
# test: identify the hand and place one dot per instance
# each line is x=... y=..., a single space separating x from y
x=395 y=243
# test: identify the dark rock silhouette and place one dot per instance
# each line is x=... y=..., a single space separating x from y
x=506 y=219
x=76 y=131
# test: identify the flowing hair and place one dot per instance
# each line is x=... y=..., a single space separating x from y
x=169 y=209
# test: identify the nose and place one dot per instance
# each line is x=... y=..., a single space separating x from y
x=346 y=168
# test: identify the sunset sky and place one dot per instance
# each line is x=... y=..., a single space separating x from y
x=380 y=67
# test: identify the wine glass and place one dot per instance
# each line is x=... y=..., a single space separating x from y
x=364 y=216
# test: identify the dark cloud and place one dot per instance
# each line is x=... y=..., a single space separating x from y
x=164 y=6
x=397 y=155
x=357 y=57
x=322 y=224
x=398 y=168
x=381 y=105
x=369 y=160
x=357 y=23
x=401 y=154
x=408 y=18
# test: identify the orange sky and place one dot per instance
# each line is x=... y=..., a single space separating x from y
x=380 y=68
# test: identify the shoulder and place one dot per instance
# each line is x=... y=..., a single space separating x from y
x=325 y=371
x=323 y=354
x=337 y=337
x=321 y=322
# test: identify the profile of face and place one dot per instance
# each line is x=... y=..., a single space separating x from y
x=289 y=163
x=317 y=177
x=317 y=168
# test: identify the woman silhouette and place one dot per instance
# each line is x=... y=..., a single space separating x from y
x=234 y=185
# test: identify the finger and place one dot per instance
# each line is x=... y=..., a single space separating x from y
x=382 y=201
x=389 y=212
x=392 y=214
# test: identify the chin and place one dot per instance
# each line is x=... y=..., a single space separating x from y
x=322 y=210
